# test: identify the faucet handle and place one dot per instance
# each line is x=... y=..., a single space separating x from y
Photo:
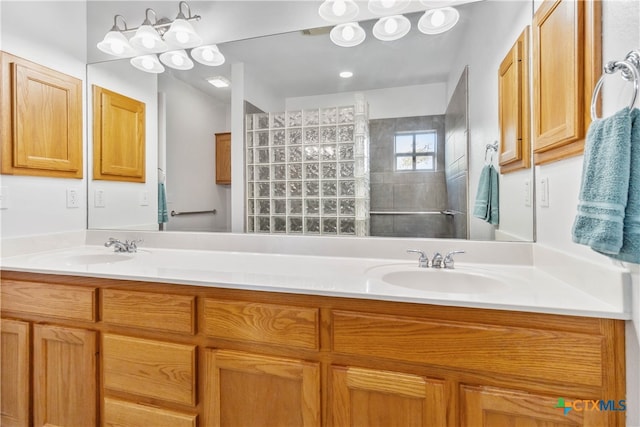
x=436 y=261
x=423 y=261
x=448 y=260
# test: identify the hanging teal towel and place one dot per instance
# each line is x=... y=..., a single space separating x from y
x=605 y=184
x=163 y=216
x=487 y=196
x=630 y=250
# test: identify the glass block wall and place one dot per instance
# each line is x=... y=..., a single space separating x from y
x=308 y=171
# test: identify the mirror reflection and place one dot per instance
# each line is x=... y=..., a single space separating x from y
x=431 y=107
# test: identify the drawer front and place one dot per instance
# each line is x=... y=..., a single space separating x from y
x=556 y=356
x=173 y=313
x=150 y=368
x=264 y=323
x=118 y=413
x=61 y=301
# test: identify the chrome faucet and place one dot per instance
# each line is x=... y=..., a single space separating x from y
x=436 y=262
x=118 y=246
x=423 y=261
x=448 y=260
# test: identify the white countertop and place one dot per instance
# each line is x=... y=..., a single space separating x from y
x=522 y=287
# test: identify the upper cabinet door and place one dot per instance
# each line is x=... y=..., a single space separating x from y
x=118 y=137
x=566 y=60
x=513 y=100
x=41 y=110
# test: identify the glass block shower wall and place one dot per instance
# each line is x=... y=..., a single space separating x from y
x=308 y=171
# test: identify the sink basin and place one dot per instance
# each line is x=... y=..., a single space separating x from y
x=94 y=259
x=458 y=281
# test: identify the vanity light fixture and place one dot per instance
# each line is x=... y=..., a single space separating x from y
x=347 y=35
x=391 y=28
x=170 y=38
x=387 y=7
x=177 y=59
x=147 y=63
x=338 y=10
x=219 y=81
x=437 y=21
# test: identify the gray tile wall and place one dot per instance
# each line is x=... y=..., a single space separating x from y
x=456 y=156
x=407 y=191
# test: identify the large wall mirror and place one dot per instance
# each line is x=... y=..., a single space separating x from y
x=443 y=87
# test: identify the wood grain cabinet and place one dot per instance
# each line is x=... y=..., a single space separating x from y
x=513 y=106
x=186 y=356
x=566 y=66
x=41 y=127
x=223 y=158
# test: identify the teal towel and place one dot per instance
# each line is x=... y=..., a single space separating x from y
x=605 y=184
x=630 y=250
x=163 y=215
x=487 y=201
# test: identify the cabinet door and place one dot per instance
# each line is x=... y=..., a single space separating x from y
x=491 y=407
x=64 y=371
x=14 y=387
x=371 y=398
x=223 y=158
x=513 y=99
x=243 y=389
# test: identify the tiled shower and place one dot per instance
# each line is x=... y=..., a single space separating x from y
x=308 y=171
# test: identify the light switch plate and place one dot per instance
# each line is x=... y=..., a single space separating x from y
x=544 y=192
x=99 y=199
x=144 y=198
x=527 y=192
x=73 y=198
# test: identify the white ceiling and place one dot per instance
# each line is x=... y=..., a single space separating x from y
x=290 y=62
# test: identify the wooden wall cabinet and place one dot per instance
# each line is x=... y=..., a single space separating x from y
x=513 y=109
x=41 y=126
x=566 y=65
x=223 y=158
x=182 y=356
x=118 y=137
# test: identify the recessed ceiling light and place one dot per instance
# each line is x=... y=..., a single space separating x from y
x=219 y=81
x=346 y=74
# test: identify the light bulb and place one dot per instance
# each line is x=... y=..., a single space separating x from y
x=339 y=7
x=177 y=60
x=148 y=42
x=437 y=18
x=117 y=48
x=182 y=36
x=390 y=26
x=207 y=54
x=388 y=3
x=348 y=33
x=147 y=63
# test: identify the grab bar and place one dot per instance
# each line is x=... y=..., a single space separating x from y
x=445 y=212
x=630 y=69
x=174 y=213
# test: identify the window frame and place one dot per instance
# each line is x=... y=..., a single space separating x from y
x=414 y=155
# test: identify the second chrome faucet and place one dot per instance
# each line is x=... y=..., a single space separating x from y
x=438 y=261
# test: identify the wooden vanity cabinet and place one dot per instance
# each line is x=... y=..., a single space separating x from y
x=186 y=356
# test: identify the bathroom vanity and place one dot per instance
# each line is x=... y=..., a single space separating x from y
x=109 y=350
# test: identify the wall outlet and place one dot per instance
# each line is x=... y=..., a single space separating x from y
x=4 y=198
x=544 y=192
x=527 y=192
x=144 y=198
x=73 y=198
x=99 y=199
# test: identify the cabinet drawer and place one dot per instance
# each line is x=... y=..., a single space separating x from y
x=62 y=301
x=150 y=368
x=556 y=356
x=174 y=313
x=264 y=323
x=120 y=413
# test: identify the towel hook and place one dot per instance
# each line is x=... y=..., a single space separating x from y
x=629 y=69
x=490 y=148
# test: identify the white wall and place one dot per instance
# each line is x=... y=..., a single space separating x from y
x=192 y=120
x=621 y=33
x=483 y=53
x=405 y=101
x=122 y=200
x=54 y=37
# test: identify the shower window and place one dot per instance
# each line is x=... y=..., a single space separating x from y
x=416 y=151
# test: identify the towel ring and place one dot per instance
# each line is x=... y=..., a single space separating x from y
x=629 y=71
